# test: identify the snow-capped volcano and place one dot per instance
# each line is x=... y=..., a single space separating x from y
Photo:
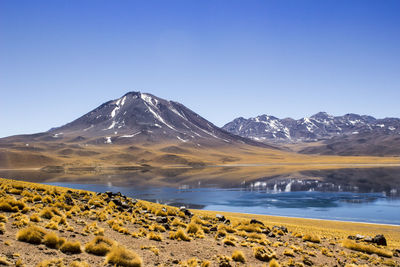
x=141 y=116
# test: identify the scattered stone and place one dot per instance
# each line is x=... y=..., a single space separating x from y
x=161 y=219
x=227 y=222
x=379 y=240
x=220 y=217
x=271 y=234
x=254 y=221
x=186 y=211
x=213 y=229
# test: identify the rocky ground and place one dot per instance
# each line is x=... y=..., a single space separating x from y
x=43 y=225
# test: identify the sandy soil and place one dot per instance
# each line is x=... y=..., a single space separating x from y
x=122 y=225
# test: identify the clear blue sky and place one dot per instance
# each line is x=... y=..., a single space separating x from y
x=224 y=59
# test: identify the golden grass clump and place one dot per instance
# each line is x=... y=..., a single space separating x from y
x=2 y=228
x=4 y=261
x=263 y=253
x=154 y=236
x=192 y=228
x=250 y=228
x=121 y=256
x=34 y=218
x=99 y=246
x=52 y=240
x=229 y=240
x=177 y=222
x=3 y=218
x=31 y=234
x=157 y=227
x=50 y=212
x=12 y=205
x=288 y=252
x=223 y=261
x=179 y=235
x=273 y=263
x=238 y=256
x=311 y=238
x=79 y=264
x=370 y=249
x=51 y=263
x=71 y=247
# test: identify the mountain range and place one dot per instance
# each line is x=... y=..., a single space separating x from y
x=139 y=130
x=351 y=134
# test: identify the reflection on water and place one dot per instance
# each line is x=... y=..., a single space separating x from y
x=368 y=195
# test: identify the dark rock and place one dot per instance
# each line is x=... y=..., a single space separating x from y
x=254 y=221
x=108 y=193
x=186 y=211
x=266 y=231
x=227 y=222
x=69 y=201
x=166 y=226
x=271 y=234
x=379 y=240
x=351 y=237
x=220 y=217
x=162 y=219
x=213 y=229
x=117 y=202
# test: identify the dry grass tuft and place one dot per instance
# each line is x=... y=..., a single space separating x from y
x=154 y=236
x=31 y=234
x=2 y=228
x=264 y=253
x=51 y=240
x=274 y=263
x=370 y=249
x=79 y=264
x=51 y=263
x=179 y=235
x=3 y=218
x=71 y=247
x=311 y=238
x=4 y=261
x=238 y=255
x=192 y=228
x=99 y=246
x=121 y=256
x=229 y=240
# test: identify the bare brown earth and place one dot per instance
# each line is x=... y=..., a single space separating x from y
x=81 y=216
x=57 y=157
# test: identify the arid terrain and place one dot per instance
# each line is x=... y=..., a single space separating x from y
x=44 y=225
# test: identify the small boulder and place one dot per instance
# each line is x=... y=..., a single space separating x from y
x=254 y=221
x=220 y=217
x=161 y=219
x=379 y=240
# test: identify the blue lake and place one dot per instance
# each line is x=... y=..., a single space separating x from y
x=363 y=195
x=347 y=206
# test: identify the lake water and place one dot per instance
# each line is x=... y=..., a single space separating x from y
x=363 y=195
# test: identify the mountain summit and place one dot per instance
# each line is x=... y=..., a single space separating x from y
x=140 y=116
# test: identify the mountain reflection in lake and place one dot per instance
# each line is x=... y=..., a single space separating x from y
x=367 y=195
